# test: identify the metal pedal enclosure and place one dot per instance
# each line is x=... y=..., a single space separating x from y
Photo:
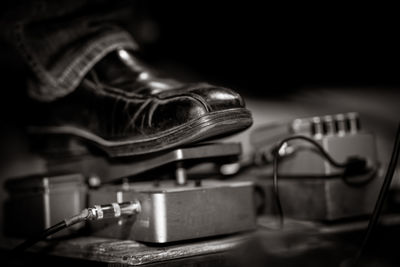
x=172 y=212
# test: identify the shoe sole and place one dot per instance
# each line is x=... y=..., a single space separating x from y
x=215 y=124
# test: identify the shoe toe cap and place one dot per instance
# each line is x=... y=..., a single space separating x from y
x=219 y=98
x=214 y=97
x=174 y=112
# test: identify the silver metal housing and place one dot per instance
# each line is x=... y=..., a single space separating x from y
x=173 y=213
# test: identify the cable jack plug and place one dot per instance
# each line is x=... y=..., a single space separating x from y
x=113 y=210
x=99 y=212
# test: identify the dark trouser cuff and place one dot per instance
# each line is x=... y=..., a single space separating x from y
x=67 y=73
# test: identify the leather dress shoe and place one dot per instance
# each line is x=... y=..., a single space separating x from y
x=124 y=109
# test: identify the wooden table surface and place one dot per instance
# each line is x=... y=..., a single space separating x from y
x=299 y=243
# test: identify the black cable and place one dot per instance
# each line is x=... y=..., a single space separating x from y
x=351 y=166
x=98 y=212
x=48 y=232
x=382 y=196
x=81 y=217
x=275 y=185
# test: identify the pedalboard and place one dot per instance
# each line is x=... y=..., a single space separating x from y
x=171 y=210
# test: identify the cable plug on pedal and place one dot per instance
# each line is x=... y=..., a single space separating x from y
x=99 y=212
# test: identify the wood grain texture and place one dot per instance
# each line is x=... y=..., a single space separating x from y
x=128 y=252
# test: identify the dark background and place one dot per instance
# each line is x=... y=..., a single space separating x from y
x=270 y=50
x=261 y=49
